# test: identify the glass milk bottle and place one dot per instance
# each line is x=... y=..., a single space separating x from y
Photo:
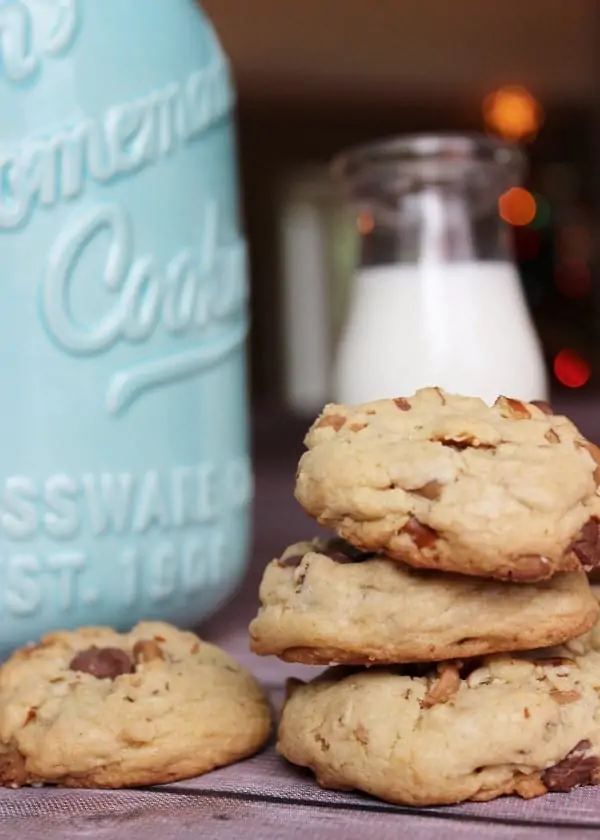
x=125 y=477
x=436 y=297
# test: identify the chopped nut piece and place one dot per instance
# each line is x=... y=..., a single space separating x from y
x=543 y=406
x=402 y=403
x=528 y=787
x=357 y=426
x=512 y=409
x=445 y=686
x=595 y=453
x=531 y=567
x=565 y=697
x=147 y=651
x=432 y=490
x=336 y=421
x=420 y=534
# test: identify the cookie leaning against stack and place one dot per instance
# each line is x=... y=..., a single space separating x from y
x=464 y=531
x=97 y=708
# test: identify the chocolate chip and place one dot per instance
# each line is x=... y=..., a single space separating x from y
x=576 y=769
x=402 y=403
x=420 y=534
x=586 y=546
x=465 y=442
x=291 y=562
x=102 y=663
x=543 y=406
x=342 y=552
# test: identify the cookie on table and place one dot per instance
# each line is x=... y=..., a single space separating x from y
x=96 y=708
x=447 y=482
x=507 y=725
x=325 y=602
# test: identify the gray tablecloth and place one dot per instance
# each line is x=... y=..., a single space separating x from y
x=265 y=798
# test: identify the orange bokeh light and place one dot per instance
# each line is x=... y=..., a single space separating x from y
x=571 y=369
x=513 y=113
x=517 y=206
x=365 y=223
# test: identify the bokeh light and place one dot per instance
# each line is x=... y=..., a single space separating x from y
x=513 y=113
x=571 y=369
x=572 y=278
x=365 y=223
x=517 y=206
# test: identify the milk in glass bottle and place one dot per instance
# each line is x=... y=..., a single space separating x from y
x=125 y=477
x=436 y=299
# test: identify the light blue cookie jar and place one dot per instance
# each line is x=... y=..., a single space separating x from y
x=126 y=483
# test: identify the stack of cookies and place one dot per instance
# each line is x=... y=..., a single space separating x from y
x=453 y=601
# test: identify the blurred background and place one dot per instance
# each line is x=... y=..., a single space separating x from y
x=314 y=76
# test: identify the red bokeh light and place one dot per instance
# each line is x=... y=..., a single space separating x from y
x=571 y=369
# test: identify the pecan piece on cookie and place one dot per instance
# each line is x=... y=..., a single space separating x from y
x=445 y=686
x=147 y=650
x=512 y=409
x=422 y=535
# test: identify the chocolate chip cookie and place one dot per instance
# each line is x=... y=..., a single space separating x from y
x=325 y=602
x=96 y=708
x=447 y=482
x=507 y=724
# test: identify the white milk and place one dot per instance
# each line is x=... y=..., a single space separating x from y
x=462 y=326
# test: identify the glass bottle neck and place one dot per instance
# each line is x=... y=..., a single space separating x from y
x=434 y=224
